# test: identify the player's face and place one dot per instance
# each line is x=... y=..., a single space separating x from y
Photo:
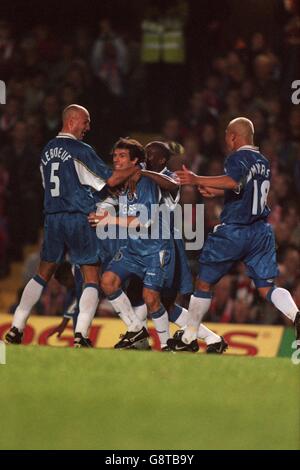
x=121 y=159
x=81 y=125
x=154 y=160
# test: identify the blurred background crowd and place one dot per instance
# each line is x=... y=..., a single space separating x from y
x=178 y=71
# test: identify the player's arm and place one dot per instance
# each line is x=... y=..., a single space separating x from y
x=216 y=182
x=119 y=176
x=163 y=181
x=105 y=218
x=209 y=193
x=93 y=172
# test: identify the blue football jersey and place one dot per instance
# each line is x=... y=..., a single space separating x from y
x=144 y=204
x=71 y=170
x=248 y=167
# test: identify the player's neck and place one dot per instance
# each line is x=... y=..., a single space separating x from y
x=247 y=146
x=67 y=133
x=243 y=143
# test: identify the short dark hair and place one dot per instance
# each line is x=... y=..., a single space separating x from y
x=162 y=146
x=136 y=150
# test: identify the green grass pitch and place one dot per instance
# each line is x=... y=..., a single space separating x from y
x=54 y=398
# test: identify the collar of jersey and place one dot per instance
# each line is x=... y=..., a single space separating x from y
x=163 y=170
x=65 y=135
x=250 y=147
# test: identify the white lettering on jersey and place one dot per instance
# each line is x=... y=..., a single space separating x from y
x=56 y=152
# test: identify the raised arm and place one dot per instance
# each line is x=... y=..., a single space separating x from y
x=217 y=182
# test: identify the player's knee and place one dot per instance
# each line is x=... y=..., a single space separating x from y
x=202 y=285
x=152 y=300
x=264 y=291
x=109 y=283
x=46 y=270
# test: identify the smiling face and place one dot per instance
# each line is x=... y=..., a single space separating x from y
x=121 y=159
x=155 y=159
x=80 y=124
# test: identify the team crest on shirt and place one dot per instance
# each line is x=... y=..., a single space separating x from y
x=118 y=256
x=131 y=196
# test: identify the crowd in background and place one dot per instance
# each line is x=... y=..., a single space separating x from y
x=177 y=97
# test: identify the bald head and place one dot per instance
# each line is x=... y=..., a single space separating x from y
x=239 y=132
x=242 y=127
x=72 y=111
x=76 y=120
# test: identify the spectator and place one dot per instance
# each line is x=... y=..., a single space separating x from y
x=7 y=47
x=109 y=58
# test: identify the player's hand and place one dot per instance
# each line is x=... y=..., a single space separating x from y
x=206 y=192
x=186 y=176
x=101 y=217
x=59 y=329
x=131 y=183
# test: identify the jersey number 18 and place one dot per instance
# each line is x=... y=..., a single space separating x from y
x=260 y=195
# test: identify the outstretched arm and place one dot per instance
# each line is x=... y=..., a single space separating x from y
x=119 y=176
x=217 y=182
x=163 y=181
x=208 y=192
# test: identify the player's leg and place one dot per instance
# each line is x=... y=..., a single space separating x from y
x=159 y=315
x=134 y=292
x=186 y=340
x=111 y=284
x=51 y=255
x=199 y=305
x=30 y=296
x=118 y=271
x=173 y=298
x=220 y=251
x=88 y=304
x=82 y=245
x=158 y=268
x=262 y=268
x=78 y=279
x=214 y=342
x=283 y=301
